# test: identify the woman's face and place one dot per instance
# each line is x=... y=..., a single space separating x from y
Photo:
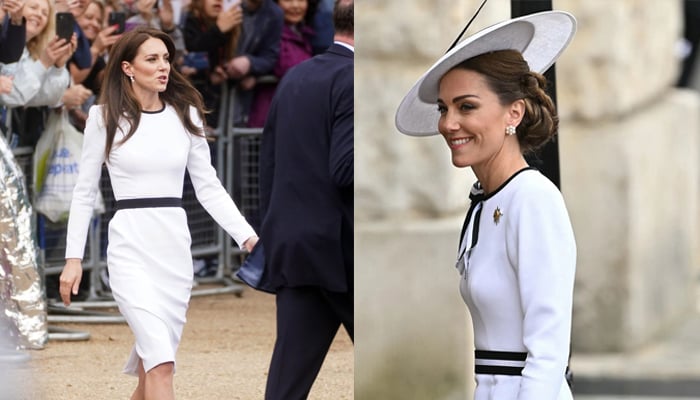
x=36 y=12
x=91 y=21
x=212 y=8
x=294 y=10
x=78 y=7
x=150 y=68
x=472 y=120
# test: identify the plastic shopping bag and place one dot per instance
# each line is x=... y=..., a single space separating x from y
x=56 y=166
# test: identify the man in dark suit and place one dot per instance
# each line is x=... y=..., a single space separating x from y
x=306 y=193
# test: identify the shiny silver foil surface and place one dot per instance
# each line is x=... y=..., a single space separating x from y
x=22 y=294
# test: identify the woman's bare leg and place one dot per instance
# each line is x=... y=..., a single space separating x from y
x=159 y=382
x=139 y=393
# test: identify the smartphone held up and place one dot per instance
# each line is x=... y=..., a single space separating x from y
x=117 y=18
x=65 y=23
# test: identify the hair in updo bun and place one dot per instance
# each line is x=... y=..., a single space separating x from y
x=509 y=76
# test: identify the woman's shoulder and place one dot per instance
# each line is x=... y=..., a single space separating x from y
x=96 y=109
x=533 y=178
x=531 y=186
x=96 y=114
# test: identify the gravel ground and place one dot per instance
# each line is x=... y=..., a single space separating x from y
x=224 y=354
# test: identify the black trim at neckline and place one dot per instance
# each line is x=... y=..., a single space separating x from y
x=154 y=112
x=488 y=196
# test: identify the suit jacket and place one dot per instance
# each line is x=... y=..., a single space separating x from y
x=306 y=175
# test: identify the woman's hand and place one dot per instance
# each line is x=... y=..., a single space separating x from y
x=75 y=96
x=14 y=9
x=5 y=84
x=105 y=38
x=145 y=8
x=58 y=51
x=66 y=53
x=66 y=5
x=69 y=282
x=55 y=49
x=227 y=20
x=250 y=243
x=166 y=16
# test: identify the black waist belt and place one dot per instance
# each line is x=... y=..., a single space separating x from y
x=499 y=362
x=149 y=202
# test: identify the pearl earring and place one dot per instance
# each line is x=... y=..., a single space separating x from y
x=131 y=77
x=510 y=130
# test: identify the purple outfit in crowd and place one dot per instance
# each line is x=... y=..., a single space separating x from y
x=295 y=47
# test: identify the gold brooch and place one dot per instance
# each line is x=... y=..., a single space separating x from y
x=497 y=214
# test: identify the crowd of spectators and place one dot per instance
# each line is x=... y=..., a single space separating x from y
x=247 y=45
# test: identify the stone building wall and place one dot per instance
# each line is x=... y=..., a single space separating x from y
x=629 y=152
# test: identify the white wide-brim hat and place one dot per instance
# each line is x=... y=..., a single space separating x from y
x=540 y=37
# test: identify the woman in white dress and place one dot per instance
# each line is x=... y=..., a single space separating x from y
x=517 y=254
x=148 y=129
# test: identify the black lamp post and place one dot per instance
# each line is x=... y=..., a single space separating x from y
x=547 y=158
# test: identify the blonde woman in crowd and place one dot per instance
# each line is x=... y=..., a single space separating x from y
x=40 y=76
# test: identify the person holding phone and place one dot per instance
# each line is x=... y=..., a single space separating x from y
x=40 y=76
x=81 y=55
x=100 y=38
x=148 y=130
x=87 y=83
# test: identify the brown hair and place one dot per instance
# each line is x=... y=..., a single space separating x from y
x=118 y=97
x=509 y=76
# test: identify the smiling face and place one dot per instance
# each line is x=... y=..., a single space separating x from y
x=294 y=10
x=472 y=119
x=91 y=21
x=36 y=12
x=150 y=68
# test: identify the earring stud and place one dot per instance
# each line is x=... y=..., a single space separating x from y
x=510 y=130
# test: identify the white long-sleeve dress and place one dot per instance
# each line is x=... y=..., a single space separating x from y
x=517 y=271
x=148 y=253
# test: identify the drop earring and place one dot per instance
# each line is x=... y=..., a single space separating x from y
x=510 y=130
x=131 y=77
